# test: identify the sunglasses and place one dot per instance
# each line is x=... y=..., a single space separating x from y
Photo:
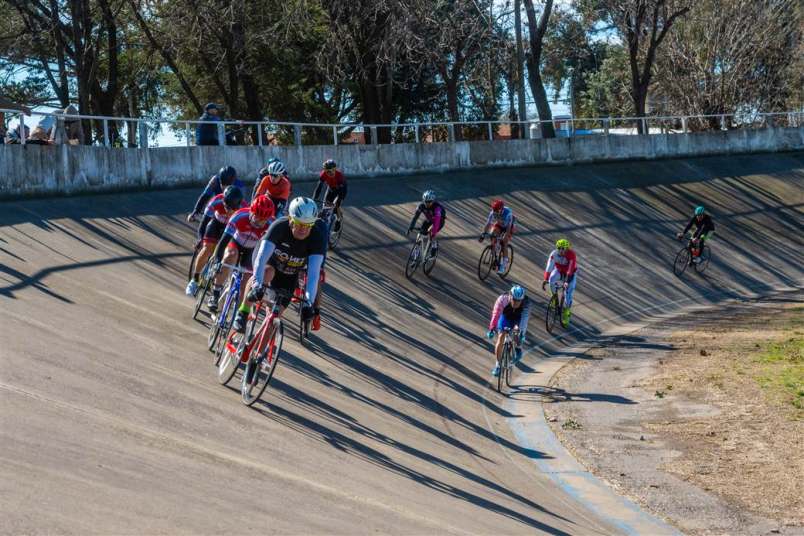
x=302 y=225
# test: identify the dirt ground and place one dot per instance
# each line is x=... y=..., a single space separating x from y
x=710 y=429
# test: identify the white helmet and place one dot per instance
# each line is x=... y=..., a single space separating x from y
x=428 y=196
x=303 y=210
x=277 y=168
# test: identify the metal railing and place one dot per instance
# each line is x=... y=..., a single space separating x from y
x=109 y=130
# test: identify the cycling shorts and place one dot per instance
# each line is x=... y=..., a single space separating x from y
x=213 y=232
x=244 y=254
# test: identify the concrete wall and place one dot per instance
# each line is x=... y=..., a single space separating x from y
x=37 y=169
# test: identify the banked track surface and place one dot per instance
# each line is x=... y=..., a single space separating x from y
x=112 y=421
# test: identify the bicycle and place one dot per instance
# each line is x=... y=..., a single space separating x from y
x=330 y=217
x=224 y=319
x=206 y=279
x=420 y=251
x=507 y=359
x=491 y=256
x=555 y=306
x=259 y=351
x=686 y=256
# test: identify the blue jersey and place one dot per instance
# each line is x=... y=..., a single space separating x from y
x=214 y=187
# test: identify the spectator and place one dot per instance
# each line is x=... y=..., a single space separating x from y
x=207 y=133
x=72 y=127
x=9 y=105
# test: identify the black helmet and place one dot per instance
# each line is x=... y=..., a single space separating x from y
x=232 y=197
x=227 y=175
x=330 y=164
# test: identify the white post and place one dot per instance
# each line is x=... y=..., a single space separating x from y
x=106 y=133
x=451 y=129
x=22 y=129
x=334 y=135
x=723 y=122
x=416 y=131
x=606 y=123
x=297 y=134
x=491 y=132
x=221 y=133
x=187 y=133
x=684 y=123
x=259 y=134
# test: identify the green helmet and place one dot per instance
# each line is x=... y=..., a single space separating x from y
x=699 y=210
x=562 y=243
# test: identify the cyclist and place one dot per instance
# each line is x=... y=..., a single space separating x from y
x=236 y=246
x=336 y=188
x=216 y=215
x=511 y=310
x=435 y=216
x=562 y=263
x=226 y=176
x=704 y=227
x=291 y=243
x=500 y=222
x=273 y=181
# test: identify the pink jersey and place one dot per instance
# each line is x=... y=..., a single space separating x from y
x=566 y=264
x=242 y=231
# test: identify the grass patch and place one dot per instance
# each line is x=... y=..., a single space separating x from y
x=780 y=370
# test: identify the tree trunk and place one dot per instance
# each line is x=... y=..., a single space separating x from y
x=537 y=30
x=520 y=64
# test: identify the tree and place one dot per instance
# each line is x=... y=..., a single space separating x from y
x=537 y=27
x=642 y=25
x=712 y=65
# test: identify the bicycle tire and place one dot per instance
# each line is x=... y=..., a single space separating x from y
x=215 y=328
x=430 y=262
x=487 y=260
x=503 y=365
x=230 y=357
x=255 y=378
x=681 y=261
x=553 y=312
x=207 y=280
x=412 y=263
x=510 y=262
x=706 y=256
x=304 y=328
x=224 y=330
x=335 y=236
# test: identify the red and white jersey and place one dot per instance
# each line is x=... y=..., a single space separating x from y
x=216 y=209
x=242 y=231
x=566 y=264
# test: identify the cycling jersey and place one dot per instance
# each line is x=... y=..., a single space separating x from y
x=702 y=228
x=336 y=186
x=242 y=231
x=503 y=314
x=335 y=181
x=288 y=255
x=566 y=264
x=503 y=220
x=436 y=216
x=213 y=188
x=277 y=192
x=217 y=209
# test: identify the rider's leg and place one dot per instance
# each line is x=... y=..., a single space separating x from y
x=504 y=239
x=568 y=298
x=229 y=257
x=245 y=305
x=316 y=324
x=555 y=277
x=498 y=348
x=203 y=256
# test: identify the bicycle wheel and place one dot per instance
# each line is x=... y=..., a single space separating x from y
x=304 y=329
x=224 y=324
x=705 y=257
x=503 y=366
x=553 y=313
x=430 y=261
x=682 y=261
x=507 y=369
x=216 y=328
x=485 y=263
x=413 y=259
x=207 y=279
x=335 y=236
x=231 y=353
x=510 y=262
x=260 y=369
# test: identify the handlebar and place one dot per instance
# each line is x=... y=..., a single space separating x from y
x=237 y=268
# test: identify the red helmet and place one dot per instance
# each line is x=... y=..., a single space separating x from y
x=497 y=205
x=262 y=207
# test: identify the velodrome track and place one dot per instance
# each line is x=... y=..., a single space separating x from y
x=112 y=421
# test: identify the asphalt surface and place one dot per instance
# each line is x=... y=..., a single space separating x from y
x=112 y=420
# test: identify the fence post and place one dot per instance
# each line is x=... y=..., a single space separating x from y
x=373 y=130
x=684 y=123
x=143 y=134
x=334 y=135
x=451 y=129
x=221 y=133
x=723 y=122
x=259 y=134
x=187 y=133
x=491 y=132
x=606 y=123
x=645 y=128
x=106 y=133
x=21 y=128
x=416 y=131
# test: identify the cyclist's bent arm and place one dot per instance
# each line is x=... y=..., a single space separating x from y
x=206 y=195
x=318 y=189
x=314 y=263
x=497 y=310
x=689 y=226
x=260 y=260
x=221 y=247
x=551 y=263
x=415 y=217
x=202 y=226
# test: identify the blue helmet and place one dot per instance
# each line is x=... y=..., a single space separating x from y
x=699 y=210
x=517 y=292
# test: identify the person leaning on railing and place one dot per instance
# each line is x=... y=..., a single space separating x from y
x=207 y=133
x=9 y=105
